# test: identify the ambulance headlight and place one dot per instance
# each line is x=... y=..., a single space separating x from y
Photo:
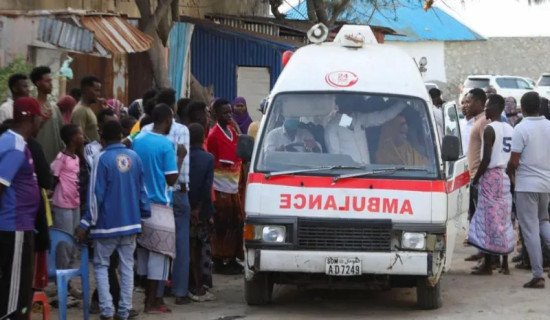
x=413 y=241
x=265 y=233
x=273 y=234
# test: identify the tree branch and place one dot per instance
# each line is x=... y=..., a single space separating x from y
x=320 y=10
x=175 y=6
x=144 y=12
x=149 y=23
x=337 y=10
x=311 y=12
x=275 y=4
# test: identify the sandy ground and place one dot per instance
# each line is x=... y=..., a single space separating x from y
x=465 y=297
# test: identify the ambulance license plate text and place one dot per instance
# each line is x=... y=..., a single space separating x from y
x=343 y=266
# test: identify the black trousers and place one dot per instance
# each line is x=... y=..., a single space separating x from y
x=16 y=274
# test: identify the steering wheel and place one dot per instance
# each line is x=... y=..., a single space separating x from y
x=291 y=147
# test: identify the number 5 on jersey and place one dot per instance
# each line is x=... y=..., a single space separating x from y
x=507 y=144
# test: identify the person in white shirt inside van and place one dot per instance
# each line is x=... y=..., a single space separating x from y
x=347 y=132
x=491 y=229
x=530 y=154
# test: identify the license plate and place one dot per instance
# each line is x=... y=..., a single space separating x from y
x=343 y=266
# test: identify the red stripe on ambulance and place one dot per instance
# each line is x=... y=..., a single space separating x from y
x=355 y=183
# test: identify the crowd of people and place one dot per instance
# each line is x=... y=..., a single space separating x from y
x=508 y=162
x=154 y=189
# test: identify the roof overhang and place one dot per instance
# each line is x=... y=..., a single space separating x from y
x=102 y=34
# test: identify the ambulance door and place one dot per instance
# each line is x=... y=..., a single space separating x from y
x=458 y=183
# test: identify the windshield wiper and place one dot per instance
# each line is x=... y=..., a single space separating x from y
x=282 y=173
x=390 y=170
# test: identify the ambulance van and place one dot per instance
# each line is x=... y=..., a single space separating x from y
x=351 y=185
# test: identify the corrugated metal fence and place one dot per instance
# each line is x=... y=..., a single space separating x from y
x=216 y=53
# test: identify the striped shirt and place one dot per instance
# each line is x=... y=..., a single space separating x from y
x=90 y=151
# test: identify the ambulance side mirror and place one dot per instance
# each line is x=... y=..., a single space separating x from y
x=263 y=105
x=450 y=148
x=245 y=147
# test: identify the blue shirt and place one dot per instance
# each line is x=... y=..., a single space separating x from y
x=21 y=197
x=159 y=160
x=118 y=200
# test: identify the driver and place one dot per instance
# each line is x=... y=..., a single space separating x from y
x=291 y=137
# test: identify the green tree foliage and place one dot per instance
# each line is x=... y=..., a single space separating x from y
x=18 y=65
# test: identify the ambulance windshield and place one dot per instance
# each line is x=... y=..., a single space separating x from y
x=347 y=130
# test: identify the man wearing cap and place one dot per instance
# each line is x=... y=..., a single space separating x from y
x=19 y=203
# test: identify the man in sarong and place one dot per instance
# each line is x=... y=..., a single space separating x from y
x=491 y=229
x=157 y=244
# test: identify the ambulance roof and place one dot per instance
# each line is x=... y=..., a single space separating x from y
x=374 y=68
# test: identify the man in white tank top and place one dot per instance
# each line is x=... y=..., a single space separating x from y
x=494 y=203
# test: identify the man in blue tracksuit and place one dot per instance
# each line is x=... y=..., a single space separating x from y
x=117 y=202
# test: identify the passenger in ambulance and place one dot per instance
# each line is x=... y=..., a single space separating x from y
x=394 y=146
x=292 y=137
x=352 y=129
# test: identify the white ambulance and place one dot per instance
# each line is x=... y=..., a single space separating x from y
x=351 y=185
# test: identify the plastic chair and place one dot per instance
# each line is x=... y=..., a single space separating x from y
x=63 y=276
x=40 y=297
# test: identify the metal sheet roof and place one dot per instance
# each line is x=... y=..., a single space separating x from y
x=117 y=35
x=65 y=35
x=217 y=51
x=91 y=33
x=407 y=18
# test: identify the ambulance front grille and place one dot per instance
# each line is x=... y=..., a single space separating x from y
x=344 y=235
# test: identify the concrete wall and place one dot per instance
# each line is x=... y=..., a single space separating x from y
x=434 y=51
x=13 y=46
x=527 y=57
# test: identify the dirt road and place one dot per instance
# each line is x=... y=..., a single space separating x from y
x=465 y=297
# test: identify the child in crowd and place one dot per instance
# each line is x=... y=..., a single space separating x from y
x=117 y=171
x=201 y=178
x=66 y=198
x=127 y=124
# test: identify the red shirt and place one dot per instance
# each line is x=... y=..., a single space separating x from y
x=227 y=165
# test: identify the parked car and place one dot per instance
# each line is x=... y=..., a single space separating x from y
x=532 y=82
x=506 y=86
x=543 y=85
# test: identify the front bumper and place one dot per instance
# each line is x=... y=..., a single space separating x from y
x=383 y=263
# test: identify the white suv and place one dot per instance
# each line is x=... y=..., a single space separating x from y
x=543 y=85
x=506 y=86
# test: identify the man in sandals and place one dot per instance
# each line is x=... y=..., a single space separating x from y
x=530 y=154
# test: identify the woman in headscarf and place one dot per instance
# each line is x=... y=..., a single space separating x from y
x=240 y=114
x=394 y=147
x=511 y=110
x=118 y=107
x=66 y=105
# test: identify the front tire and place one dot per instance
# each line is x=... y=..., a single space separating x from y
x=428 y=297
x=259 y=290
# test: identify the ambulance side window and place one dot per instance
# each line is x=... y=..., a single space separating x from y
x=451 y=122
